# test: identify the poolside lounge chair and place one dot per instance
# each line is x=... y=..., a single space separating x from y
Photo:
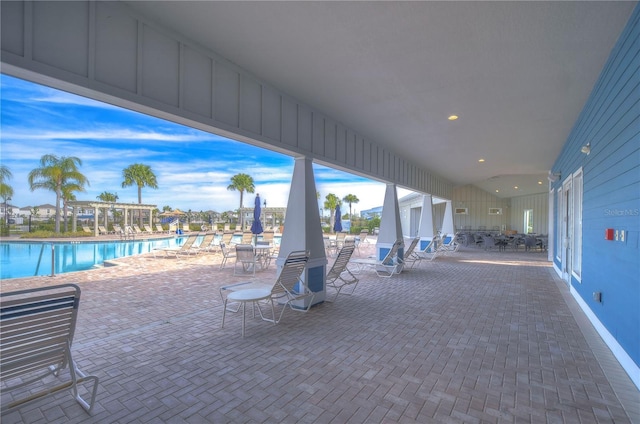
x=339 y=275
x=185 y=249
x=87 y=229
x=267 y=236
x=227 y=238
x=159 y=229
x=247 y=237
x=409 y=257
x=38 y=326
x=148 y=229
x=102 y=230
x=207 y=244
x=448 y=244
x=117 y=229
x=428 y=253
x=386 y=267
x=287 y=289
x=128 y=233
x=137 y=229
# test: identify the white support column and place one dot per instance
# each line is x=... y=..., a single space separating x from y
x=95 y=222
x=302 y=230
x=447 y=223
x=426 y=231
x=74 y=221
x=390 y=225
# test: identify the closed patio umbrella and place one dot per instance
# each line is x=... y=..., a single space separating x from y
x=337 y=225
x=256 y=226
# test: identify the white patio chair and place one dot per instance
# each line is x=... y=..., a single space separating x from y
x=245 y=258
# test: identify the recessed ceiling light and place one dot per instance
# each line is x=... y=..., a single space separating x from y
x=516 y=187
x=497 y=191
x=453 y=117
x=540 y=182
x=480 y=160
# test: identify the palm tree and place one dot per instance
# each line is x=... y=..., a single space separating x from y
x=350 y=198
x=6 y=191
x=331 y=203
x=106 y=196
x=242 y=183
x=53 y=174
x=142 y=176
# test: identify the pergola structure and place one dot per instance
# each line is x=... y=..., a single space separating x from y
x=269 y=215
x=96 y=206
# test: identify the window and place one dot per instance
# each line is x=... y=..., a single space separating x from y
x=528 y=221
x=577 y=224
x=495 y=211
x=462 y=211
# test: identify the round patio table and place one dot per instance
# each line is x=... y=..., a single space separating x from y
x=244 y=297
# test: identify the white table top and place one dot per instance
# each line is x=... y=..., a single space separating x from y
x=249 y=295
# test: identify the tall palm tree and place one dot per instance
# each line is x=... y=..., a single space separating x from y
x=331 y=203
x=140 y=175
x=242 y=183
x=6 y=191
x=350 y=198
x=106 y=196
x=53 y=174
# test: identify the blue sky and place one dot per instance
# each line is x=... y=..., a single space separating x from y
x=193 y=168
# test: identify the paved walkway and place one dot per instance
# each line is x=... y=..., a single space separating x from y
x=475 y=337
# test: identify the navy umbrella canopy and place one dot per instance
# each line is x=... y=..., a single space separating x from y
x=256 y=227
x=337 y=225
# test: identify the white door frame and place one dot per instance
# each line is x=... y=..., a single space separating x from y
x=567 y=229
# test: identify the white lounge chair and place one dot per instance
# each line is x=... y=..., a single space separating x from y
x=37 y=333
x=386 y=267
x=409 y=256
x=185 y=249
x=428 y=253
x=339 y=275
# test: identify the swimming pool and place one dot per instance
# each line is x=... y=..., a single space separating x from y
x=28 y=259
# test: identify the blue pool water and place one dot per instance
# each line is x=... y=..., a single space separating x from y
x=29 y=259
x=26 y=259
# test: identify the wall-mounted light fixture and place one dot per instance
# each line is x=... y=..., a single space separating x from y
x=553 y=176
x=586 y=149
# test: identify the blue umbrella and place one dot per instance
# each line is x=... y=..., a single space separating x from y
x=256 y=227
x=337 y=225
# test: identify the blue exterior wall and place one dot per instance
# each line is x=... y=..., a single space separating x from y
x=610 y=121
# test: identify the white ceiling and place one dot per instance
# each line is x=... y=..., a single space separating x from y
x=516 y=73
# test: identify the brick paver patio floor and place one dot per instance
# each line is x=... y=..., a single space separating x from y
x=474 y=337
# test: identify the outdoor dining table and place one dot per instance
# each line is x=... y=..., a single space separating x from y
x=263 y=254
